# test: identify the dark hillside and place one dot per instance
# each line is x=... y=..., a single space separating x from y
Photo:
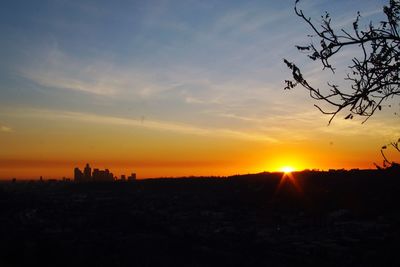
x=338 y=218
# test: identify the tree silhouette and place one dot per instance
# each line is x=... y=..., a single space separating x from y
x=374 y=76
x=386 y=162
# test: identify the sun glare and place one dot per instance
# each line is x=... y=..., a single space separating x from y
x=287 y=169
x=288 y=177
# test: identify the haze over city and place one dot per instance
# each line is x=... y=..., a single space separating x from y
x=173 y=88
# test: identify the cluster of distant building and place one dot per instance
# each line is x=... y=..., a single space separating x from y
x=98 y=175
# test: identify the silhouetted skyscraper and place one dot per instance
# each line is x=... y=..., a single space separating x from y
x=102 y=176
x=132 y=177
x=78 y=175
x=87 y=172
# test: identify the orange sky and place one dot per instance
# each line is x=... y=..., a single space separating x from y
x=51 y=145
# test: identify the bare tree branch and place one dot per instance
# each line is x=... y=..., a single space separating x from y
x=374 y=76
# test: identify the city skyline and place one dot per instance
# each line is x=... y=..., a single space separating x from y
x=98 y=175
x=173 y=88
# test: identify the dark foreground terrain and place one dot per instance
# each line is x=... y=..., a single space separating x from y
x=336 y=219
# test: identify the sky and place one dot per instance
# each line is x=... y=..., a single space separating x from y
x=173 y=88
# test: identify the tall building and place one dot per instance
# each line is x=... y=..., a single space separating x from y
x=102 y=176
x=78 y=175
x=132 y=177
x=87 y=172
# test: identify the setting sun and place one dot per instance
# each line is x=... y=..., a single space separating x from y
x=287 y=169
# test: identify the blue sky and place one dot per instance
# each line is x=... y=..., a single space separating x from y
x=188 y=66
x=181 y=50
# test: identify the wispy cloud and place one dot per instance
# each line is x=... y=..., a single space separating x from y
x=245 y=21
x=348 y=22
x=380 y=126
x=149 y=124
x=101 y=76
x=5 y=129
x=240 y=118
x=56 y=69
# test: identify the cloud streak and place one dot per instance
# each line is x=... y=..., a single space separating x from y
x=99 y=77
x=147 y=124
x=5 y=129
